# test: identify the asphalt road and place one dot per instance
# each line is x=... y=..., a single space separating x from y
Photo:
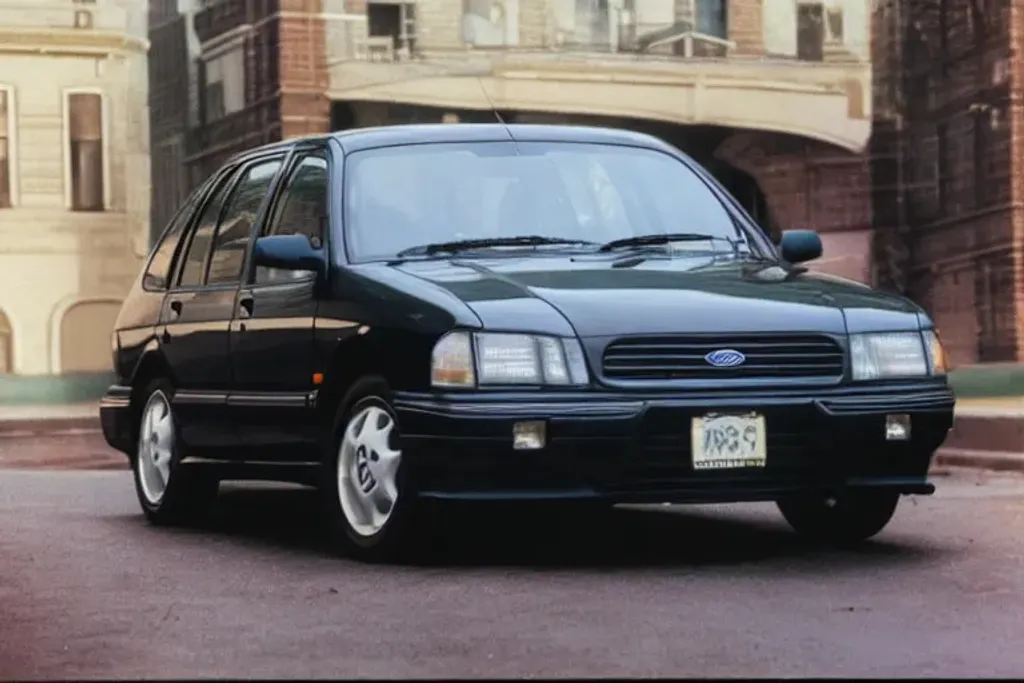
x=89 y=590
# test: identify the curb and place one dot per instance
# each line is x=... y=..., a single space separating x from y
x=996 y=461
x=48 y=426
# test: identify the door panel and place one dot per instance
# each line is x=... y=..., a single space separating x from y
x=194 y=335
x=272 y=361
x=272 y=341
x=194 y=342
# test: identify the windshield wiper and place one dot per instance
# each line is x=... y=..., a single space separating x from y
x=666 y=238
x=483 y=243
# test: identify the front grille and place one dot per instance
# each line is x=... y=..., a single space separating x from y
x=767 y=357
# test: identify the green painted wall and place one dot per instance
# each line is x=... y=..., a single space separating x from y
x=53 y=389
x=995 y=380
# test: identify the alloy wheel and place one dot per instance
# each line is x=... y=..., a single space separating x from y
x=156 y=447
x=368 y=464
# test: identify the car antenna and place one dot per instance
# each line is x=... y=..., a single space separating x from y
x=490 y=104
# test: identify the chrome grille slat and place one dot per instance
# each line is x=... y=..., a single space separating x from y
x=790 y=356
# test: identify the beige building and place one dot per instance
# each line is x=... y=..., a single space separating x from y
x=74 y=179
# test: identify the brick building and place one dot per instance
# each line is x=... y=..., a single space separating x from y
x=949 y=139
x=173 y=94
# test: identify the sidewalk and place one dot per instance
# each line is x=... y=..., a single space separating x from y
x=34 y=419
x=1011 y=407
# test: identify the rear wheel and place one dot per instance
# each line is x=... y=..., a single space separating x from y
x=168 y=491
x=847 y=518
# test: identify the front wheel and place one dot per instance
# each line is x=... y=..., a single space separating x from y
x=847 y=518
x=366 y=488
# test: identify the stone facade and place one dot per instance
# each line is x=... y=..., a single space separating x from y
x=74 y=209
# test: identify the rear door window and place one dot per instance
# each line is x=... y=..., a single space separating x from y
x=234 y=231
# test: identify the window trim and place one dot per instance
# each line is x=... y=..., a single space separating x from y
x=12 y=145
x=227 y=177
x=66 y=94
x=216 y=49
x=234 y=171
x=292 y=162
x=12 y=349
x=743 y=222
x=257 y=224
x=196 y=198
x=297 y=158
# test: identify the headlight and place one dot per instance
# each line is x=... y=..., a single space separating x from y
x=465 y=359
x=888 y=355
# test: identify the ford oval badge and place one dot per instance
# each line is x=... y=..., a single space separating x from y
x=725 y=358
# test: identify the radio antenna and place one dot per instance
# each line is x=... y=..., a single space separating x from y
x=490 y=104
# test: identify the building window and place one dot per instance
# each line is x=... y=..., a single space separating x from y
x=834 y=26
x=392 y=29
x=490 y=23
x=711 y=18
x=6 y=163
x=85 y=151
x=810 y=31
x=224 y=84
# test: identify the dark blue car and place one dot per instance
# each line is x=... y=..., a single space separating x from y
x=556 y=315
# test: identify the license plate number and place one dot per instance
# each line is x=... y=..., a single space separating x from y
x=724 y=441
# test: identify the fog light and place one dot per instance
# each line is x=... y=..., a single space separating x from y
x=528 y=436
x=897 y=427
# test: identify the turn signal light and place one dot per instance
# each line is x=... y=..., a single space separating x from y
x=936 y=353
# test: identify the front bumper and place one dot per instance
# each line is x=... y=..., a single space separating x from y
x=630 y=448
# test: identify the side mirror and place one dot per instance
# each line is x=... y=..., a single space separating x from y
x=287 y=252
x=800 y=245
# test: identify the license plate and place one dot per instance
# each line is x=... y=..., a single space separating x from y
x=725 y=441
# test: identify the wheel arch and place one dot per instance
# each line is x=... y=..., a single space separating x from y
x=151 y=365
x=386 y=355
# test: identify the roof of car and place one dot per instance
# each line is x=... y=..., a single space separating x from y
x=386 y=136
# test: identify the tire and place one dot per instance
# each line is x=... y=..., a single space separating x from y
x=369 y=499
x=168 y=491
x=848 y=518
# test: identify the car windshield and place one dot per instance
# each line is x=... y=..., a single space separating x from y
x=400 y=198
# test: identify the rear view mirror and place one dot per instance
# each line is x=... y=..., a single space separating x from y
x=287 y=252
x=800 y=245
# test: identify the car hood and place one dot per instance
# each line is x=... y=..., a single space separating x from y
x=659 y=295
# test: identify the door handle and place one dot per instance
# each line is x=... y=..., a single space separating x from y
x=175 y=309
x=245 y=307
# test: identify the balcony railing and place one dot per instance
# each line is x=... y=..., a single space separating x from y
x=216 y=17
x=650 y=30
